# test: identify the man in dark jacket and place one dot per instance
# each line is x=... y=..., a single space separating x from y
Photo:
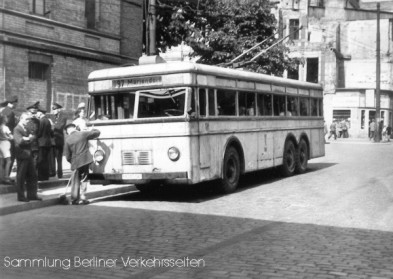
x=32 y=127
x=60 y=121
x=45 y=135
x=26 y=172
x=78 y=154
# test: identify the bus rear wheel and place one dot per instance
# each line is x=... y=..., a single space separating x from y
x=231 y=171
x=289 y=159
x=302 y=157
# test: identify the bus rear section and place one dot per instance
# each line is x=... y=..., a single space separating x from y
x=142 y=154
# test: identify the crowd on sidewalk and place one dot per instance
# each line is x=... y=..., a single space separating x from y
x=36 y=142
x=340 y=129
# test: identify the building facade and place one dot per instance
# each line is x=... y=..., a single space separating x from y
x=337 y=45
x=48 y=47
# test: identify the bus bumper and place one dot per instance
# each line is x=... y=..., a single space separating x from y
x=139 y=178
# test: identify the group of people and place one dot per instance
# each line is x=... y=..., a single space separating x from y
x=385 y=131
x=37 y=143
x=339 y=129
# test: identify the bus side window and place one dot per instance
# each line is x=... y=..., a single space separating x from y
x=211 y=103
x=304 y=107
x=226 y=102
x=314 y=107
x=202 y=102
x=279 y=105
x=265 y=104
x=320 y=107
x=246 y=103
x=292 y=106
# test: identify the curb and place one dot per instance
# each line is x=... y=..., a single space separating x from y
x=7 y=189
x=54 y=200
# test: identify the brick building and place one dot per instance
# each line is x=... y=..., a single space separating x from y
x=48 y=47
x=338 y=47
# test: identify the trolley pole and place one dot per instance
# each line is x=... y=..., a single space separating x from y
x=152 y=27
x=378 y=79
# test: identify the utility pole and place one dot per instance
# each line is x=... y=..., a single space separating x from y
x=152 y=27
x=378 y=79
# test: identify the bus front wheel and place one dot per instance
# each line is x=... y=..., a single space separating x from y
x=231 y=171
x=302 y=157
x=289 y=159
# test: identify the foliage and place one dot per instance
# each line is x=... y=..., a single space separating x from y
x=220 y=30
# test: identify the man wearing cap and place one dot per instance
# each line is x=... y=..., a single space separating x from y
x=8 y=113
x=45 y=135
x=26 y=173
x=33 y=126
x=60 y=121
x=78 y=154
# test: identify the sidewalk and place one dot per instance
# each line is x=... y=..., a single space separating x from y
x=50 y=191
x=356 y=141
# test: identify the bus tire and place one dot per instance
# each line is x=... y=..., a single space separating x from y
x=289 y=159
x=231 y=171
x=302 y=157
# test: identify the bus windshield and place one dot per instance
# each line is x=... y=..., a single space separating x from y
x=166 y=102
x=161 y=103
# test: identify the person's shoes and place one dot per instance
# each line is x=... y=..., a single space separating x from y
x=75 y=202
x=80 y=202
x=36 y=199
x=23 y=199
x=59 y=176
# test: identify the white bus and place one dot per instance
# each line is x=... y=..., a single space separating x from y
x=186 y=123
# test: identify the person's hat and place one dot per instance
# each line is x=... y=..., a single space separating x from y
x=81 y=105
x=12 y=99
x=69 y=125
x=34 y=106
x=56 y=106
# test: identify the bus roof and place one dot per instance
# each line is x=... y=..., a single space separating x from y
x=189 y=67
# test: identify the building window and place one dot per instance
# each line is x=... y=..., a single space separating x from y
x=316 y=3
x=293 y=73
x=341 y=114
x=90 y=13
x=38 y=71
x=38 y=7
x=294 y=29
x=312 y=70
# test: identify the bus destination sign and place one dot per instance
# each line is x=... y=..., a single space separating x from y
x=136 y=82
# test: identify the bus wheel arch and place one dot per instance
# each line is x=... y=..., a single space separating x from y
x=289 y=158
x=232 y=166
x=303 y=154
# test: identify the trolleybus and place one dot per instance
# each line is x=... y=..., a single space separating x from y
x=186 y=123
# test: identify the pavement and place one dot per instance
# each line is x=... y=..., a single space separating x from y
x=51 y=190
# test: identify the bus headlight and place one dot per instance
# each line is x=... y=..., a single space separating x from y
x=99 y=156
x=173 y=153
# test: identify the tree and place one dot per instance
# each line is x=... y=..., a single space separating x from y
x=220 y=30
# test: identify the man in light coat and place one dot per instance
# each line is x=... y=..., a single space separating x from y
x=77 y=153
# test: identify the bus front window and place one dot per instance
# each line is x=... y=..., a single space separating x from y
x=114 y=106
x=161 y=103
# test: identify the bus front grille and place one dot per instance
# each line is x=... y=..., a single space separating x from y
x=135 y=157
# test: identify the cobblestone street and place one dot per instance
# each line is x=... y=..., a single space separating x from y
x=334 y=221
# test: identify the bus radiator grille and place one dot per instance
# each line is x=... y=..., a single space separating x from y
x=135 y=157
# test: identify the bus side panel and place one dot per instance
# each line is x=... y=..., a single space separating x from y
x=265 y=150
x=317 y=148
x=248 y=138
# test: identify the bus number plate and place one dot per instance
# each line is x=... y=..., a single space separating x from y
x=127 y=176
